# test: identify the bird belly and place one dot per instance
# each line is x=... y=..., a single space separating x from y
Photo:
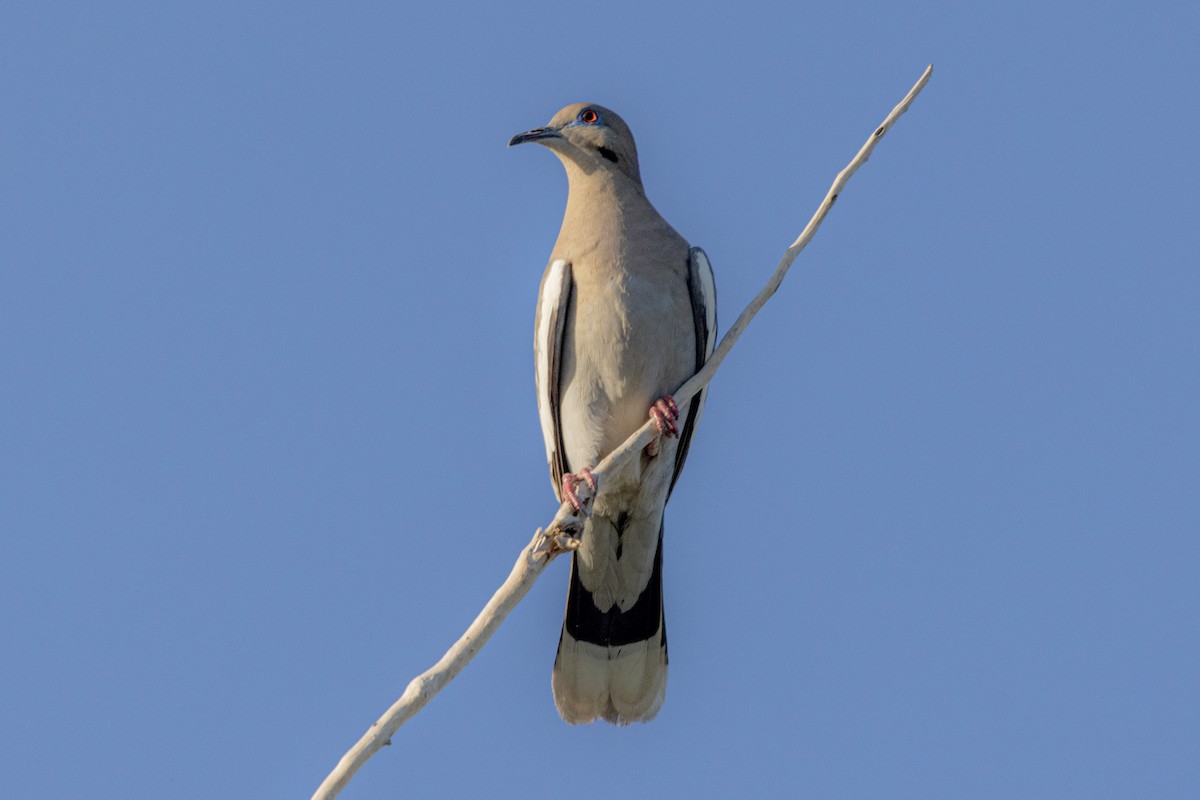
x=621 y=362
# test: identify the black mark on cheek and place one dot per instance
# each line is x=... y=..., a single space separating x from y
x=609 y=154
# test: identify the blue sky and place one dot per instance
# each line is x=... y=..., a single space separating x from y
x=268 y=437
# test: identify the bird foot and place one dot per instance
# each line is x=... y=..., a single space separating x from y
x=665 y=413
x=571 y=494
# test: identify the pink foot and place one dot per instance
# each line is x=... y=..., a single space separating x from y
x=569 y=482
x=665 y=413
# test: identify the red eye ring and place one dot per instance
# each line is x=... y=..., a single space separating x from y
x=589 y=116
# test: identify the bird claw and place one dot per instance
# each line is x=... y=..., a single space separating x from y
x=571 y=494
x=664 y=413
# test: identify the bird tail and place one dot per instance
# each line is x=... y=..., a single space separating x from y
x=612 y=665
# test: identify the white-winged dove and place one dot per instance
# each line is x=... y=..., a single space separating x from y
x=626 y=313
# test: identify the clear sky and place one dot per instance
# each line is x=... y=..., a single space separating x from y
x=268 y=436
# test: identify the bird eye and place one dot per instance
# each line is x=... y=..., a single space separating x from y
x=589 y=116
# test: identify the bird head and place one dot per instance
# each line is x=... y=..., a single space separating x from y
x=590 y=136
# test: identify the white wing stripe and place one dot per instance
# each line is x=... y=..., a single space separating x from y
x=708 y=290
x=702 y=273
x=548 y=311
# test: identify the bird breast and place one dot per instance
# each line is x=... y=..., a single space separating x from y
x=629 y=339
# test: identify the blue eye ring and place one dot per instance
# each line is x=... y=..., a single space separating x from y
x=589 y=116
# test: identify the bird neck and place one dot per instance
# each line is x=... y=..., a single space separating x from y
x=599 y=192
x=604 y=209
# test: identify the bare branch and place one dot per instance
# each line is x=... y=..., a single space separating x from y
x=562 y=533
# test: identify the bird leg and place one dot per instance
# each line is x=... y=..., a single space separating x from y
x=571 y=495
x=665 y=413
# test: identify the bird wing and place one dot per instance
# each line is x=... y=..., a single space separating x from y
x=554 y=301
x=703 y=291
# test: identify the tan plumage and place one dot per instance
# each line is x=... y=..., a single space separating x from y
x=625 y=316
